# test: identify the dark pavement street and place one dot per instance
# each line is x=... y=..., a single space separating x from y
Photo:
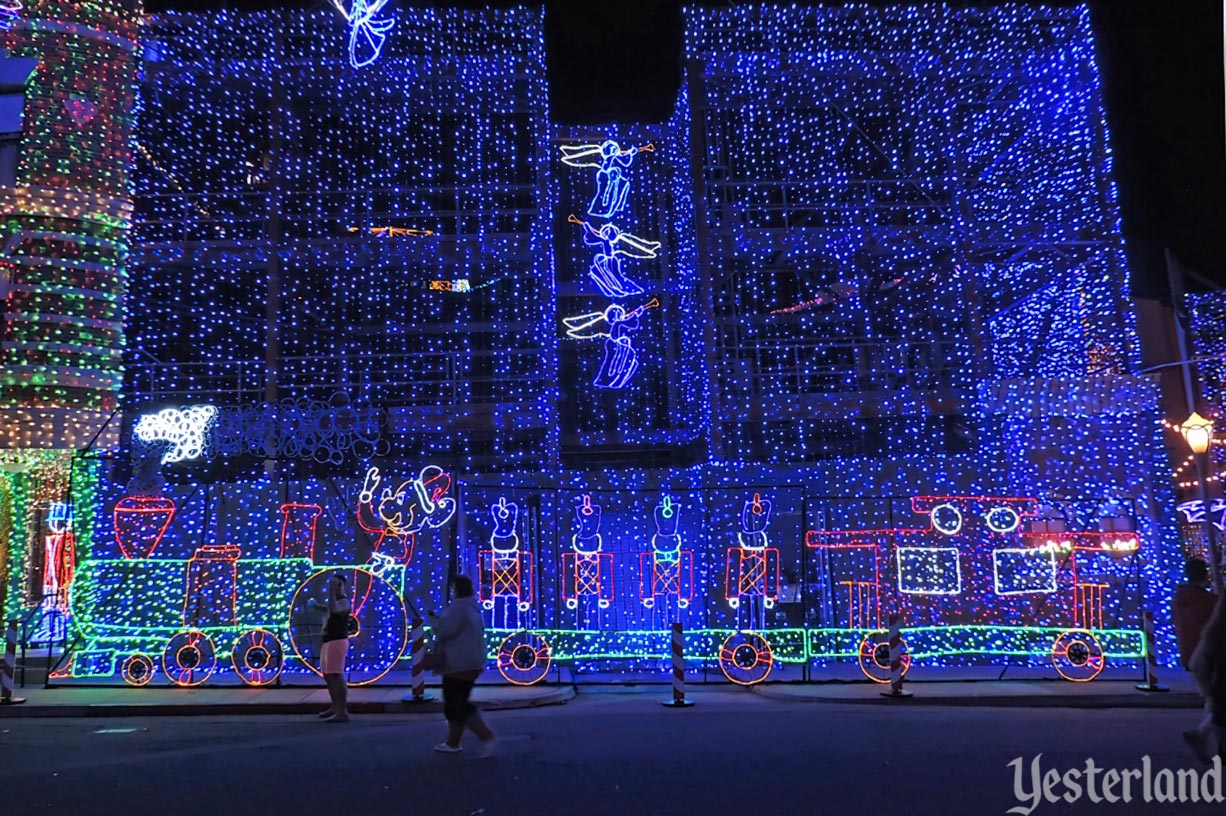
x=603 y=753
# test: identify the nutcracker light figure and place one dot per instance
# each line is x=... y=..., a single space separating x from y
x=506 y=571
x=586 y=571
x=667 y=571
x=753 y=567
x=59 y=556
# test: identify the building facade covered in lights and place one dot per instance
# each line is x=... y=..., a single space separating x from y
x=1207 y=313
x=68 y=109
x=848 y=335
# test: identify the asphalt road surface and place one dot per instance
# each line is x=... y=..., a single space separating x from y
x=603 y=753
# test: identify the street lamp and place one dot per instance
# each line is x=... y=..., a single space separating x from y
x=1198 y=433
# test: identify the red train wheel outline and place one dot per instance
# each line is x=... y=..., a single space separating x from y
x=358 y=606
x=875 y=656
x=524 y=658
x=748 y=653
x=263 y=671
x=194 y=656
x=138 y=669
x=1078 y=655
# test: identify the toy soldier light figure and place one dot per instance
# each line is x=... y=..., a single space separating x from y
x=59 y=556
x=667 y=571
x=753 y=567
x=586 y=571
x=506 y=571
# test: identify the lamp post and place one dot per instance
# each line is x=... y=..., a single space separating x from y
x=1197 y=431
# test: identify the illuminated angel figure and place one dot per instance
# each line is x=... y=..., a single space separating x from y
x=366 y=34
x=606 y=269
x=10 y=12
x=615 y=324
x=612 y=186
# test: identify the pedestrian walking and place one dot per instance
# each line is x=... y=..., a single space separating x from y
x=1209 y=666
x=1191 y=609
x=460 y=656
x=336 y=648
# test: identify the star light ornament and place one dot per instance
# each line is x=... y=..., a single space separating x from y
x=185 y=429
x=366 y=34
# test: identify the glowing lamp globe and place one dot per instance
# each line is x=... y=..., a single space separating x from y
x=1197 y=432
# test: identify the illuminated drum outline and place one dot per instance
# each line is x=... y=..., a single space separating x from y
x=404 y=634
x=733 y=655
x=873 y=660
x=953 y=529
x=1081 y=652
x=196 y=641
x=1015 y=519
x=148 y=667
x=254 y=675
x=521 y=645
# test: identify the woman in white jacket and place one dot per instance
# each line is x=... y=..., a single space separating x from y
x=461 y=649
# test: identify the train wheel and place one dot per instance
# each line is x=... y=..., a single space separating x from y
x=746 y=658
x=523 y=658
x=1078 y=655
x=258 y=657
x=875 y=657
x=378 y=625
x=138 y=669
x=189 y=658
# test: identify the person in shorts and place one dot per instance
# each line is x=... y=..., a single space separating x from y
x=336 y=649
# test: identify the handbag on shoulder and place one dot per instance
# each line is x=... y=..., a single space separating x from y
x=432 y=659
